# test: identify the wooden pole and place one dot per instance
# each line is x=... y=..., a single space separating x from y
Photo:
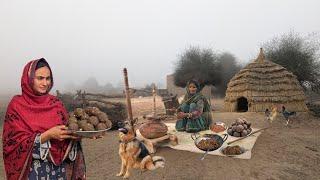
x=126 y=83
x=154 y=101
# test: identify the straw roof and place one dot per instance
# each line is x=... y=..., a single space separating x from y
x=264 y=83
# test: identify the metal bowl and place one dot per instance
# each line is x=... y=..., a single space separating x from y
x=221 y=124
x=197 y=138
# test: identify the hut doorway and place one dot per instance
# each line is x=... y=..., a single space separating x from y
x=242 y=104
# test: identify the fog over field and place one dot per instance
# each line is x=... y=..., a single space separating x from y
x=96 y=39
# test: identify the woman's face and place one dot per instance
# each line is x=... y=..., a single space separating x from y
x=192 y=88
x=42 y=80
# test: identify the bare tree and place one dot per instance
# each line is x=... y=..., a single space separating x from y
x=199 y=64
x=298 y=54
x=229 y=67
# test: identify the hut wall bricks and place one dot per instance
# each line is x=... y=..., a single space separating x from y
x=262 y=84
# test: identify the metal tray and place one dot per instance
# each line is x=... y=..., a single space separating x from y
x=91 y=134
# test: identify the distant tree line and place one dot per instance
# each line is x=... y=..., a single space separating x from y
x=92 y=85
x=298 y=54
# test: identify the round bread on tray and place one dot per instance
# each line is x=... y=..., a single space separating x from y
x=89 y=122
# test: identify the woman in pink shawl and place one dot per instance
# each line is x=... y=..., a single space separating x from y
x=36 y=142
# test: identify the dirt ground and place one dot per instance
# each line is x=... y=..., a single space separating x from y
x=280 y=152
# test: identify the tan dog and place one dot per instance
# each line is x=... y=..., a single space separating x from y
x=134 y=154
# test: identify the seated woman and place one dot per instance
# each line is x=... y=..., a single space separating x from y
x=36 y=142
x=194 y=113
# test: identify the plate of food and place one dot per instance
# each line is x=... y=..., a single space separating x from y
x=240 y=128
x=208 y=142
x=89 y=122
x=218 y=127
x=233 y=150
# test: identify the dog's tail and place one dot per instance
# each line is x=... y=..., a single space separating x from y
x=152 y=163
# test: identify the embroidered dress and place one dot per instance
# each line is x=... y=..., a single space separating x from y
x=43 y=169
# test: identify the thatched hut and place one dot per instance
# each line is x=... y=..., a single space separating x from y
x=262 y=84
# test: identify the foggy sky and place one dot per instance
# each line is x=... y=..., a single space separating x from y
x=97 y=38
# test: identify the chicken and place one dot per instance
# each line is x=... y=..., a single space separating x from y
x=271 y=115
x=267 y=114
x=286 y=114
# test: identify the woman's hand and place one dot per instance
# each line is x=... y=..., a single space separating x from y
x=60 y=133
x=181 y=115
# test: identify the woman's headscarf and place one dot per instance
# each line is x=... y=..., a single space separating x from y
x=194 y=98
x=197 y=84
x=27 y=115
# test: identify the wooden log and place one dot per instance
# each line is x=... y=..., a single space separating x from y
x=154 y=100
x=126 y=83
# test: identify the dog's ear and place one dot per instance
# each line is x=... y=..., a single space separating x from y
x=133 y=124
